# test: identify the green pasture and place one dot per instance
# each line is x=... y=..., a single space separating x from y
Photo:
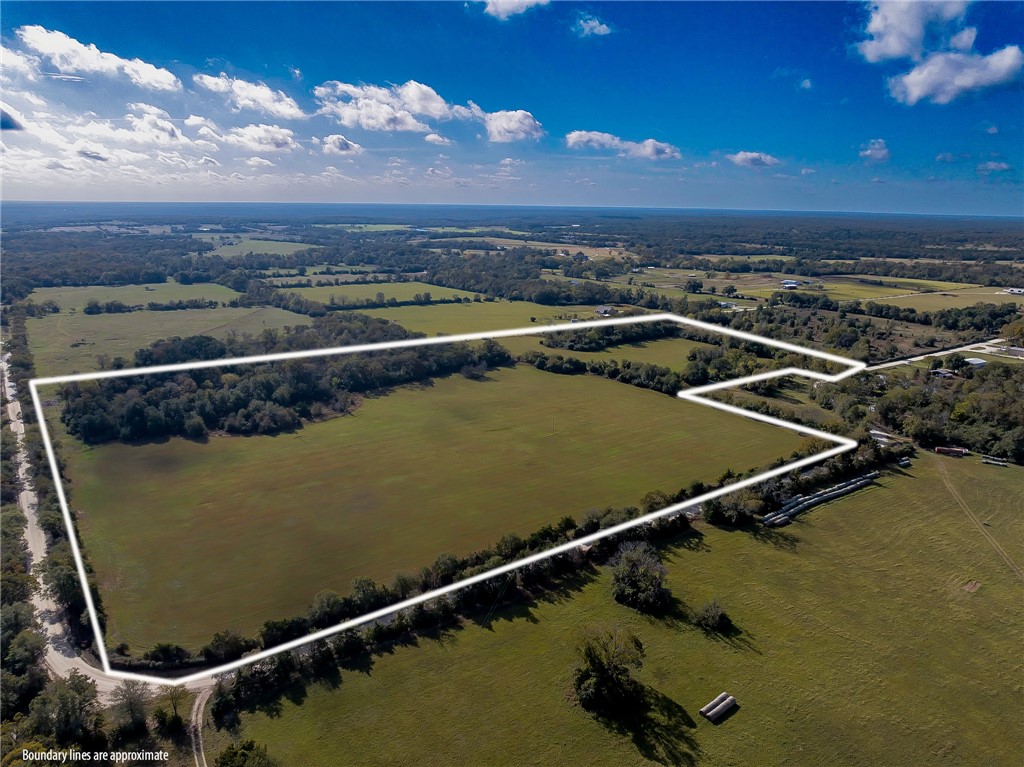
x=314 y=276
x=69 y=343
x=958 y=299
x=75 y=298
x=401 y=291
x=857 y=645
x=449 y=319
x=258 y=246
x=188 y=539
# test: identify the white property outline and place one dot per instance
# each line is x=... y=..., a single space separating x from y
x=694 y=395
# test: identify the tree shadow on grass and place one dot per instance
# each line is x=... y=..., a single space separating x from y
x=557 y=589
x=362 y=663
x=774 y=536
x=728 y=633
x=660 y=729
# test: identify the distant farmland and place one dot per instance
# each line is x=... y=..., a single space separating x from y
x=68 y=343
x=450 y=467
x=400 y=291
x=75 y=298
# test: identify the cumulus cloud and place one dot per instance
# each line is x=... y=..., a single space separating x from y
x=943 y=77
x=147 y=126
x=503 y=9
x=511 y=125
x=437 y=138
x=338 y=144
x=242 y=94
x=259 y=162
x=14 y=63
x=945 y=157
x=372 y=107
x=648 y=149
x=195 y=121
x=806 y=84
x=807 y=171
x=993 y=167
x=262 y=138
x=587 y=25
x=933 y=36
x=70 y=56
x=875 y=151
x=899 y=29
x=753 y=159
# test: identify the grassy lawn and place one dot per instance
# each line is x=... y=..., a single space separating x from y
x=75 y=299
x=401 y=291
x=239 y=247
x=931 y=302
x=419 y=472
x=477 y=317
x=859 y=646
x=69 y=343
x=660 y=288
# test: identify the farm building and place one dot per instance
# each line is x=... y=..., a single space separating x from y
x=790 y=284
x=957 y=451
x=975 y=362
x=943 y=373
x=1015 y=291
x=605 y=311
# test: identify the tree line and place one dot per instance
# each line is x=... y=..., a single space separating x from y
x=260 y=399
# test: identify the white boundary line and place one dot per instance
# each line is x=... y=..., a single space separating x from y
x=843 y=444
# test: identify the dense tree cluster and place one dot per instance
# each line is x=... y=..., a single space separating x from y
x=983 y=411
x=264 y=398
x=602 y=680
x=638 y=577
x=598 y=339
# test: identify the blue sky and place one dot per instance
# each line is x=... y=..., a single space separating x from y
x=890 y=107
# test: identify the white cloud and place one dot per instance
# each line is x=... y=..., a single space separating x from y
x=806 y=84
x=943 y=77
x=242 y=94
x=437 y=138
x=899 y=29
x=993 y=167
x=70 y=56
x=148 y=128
x=992 y=129
x=262 y=138
x=875 y=151
x=338 y=144
x=259 y=162
x=964 y=39
x=807 y=171
x=14 y=63
x=648 y=149
x=587 y=25
x=503 y=9
x=511 y=125
x=372 y=107
x=933 y=36
x=195 y=121
x=945 y=157
x=753 y=159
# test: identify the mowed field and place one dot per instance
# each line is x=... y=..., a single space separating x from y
x=69 y=343
x=188 y=539
x=859 y=646
x=401 y=291
x=249 y=245
x=75 y=298
x=956 y=299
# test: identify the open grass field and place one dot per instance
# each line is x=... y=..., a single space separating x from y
x=315 y=275
x=858 y=646
x=673 y=290
x=75 y=299
x=69 y=343
x=559 y=247
x=245 y=245
x=957 y=299
x=422 y=471
x=401 y=291
x=478 y=317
